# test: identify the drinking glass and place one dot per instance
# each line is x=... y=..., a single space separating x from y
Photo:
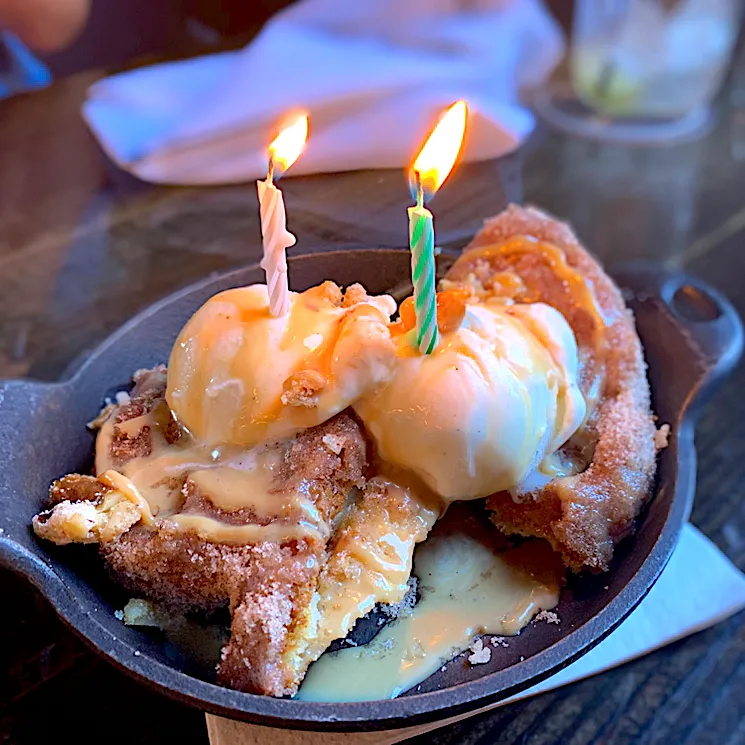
x=645 y=70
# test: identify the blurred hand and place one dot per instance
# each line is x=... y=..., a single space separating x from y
x=44 y=25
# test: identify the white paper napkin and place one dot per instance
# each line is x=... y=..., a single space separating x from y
x=698 y=588
x=372 y=74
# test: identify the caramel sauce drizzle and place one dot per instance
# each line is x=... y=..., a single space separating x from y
x=467 y=587
x=232 y=480
x=369 y=562
x=577 y=297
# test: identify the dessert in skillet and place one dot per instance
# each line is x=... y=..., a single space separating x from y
x=287 y=466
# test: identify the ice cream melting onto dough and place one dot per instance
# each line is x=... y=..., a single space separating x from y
x=239 y=376
x=488 y=409
x=485 y=412
x=241 y=383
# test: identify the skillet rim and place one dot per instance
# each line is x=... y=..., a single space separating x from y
x=356 y=716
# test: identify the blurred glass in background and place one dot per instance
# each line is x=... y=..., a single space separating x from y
x=644 y=70
x=650 y=57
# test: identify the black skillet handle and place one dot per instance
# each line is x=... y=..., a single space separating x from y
x=673 y=305
x=35 y=427
x=33 y=439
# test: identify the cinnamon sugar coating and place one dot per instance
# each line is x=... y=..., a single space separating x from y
x=585 y=515
x=267 y=586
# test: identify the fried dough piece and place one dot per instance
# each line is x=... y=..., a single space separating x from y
x=585 y=515
x=85 y=511
x=268 y=586
x=370 y=558
x=288 y=602
x=91 y=510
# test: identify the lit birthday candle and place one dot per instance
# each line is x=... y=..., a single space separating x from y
x=430 y=169
x=283 y=152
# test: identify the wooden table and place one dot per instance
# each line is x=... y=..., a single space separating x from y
x=83 y=247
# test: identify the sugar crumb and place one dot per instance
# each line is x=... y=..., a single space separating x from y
x=480 y=653
x=661 y=437
x=547 y=616
x=499 y=641
x=404 y=606
x=334 y=443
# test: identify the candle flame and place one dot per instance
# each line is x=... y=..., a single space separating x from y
x=288 y=145
x=437 y=157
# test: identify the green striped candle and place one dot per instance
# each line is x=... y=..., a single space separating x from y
x=422 y=245
x=430 y=169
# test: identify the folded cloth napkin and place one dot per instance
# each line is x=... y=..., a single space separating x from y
x=698 y=588
x=372 y=74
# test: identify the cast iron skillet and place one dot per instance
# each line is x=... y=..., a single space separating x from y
x=692 y=337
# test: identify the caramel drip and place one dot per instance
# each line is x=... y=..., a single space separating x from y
x=132 y=427
x=320 y=345
x=467 y=588
x=127 y=489
x=510 y=284
x=369 y=563
x=232 y=480
x=578 y=289
x=228 y=489
x=241 y=535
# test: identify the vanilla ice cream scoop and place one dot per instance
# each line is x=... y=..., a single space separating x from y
x=239 y=376
x=486 y=410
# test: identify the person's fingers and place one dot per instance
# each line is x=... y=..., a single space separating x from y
x=44 y=25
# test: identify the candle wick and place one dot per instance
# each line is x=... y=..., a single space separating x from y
x=419 y=190
x=270 y=171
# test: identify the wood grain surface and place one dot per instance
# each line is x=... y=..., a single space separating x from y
x=83 y=247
